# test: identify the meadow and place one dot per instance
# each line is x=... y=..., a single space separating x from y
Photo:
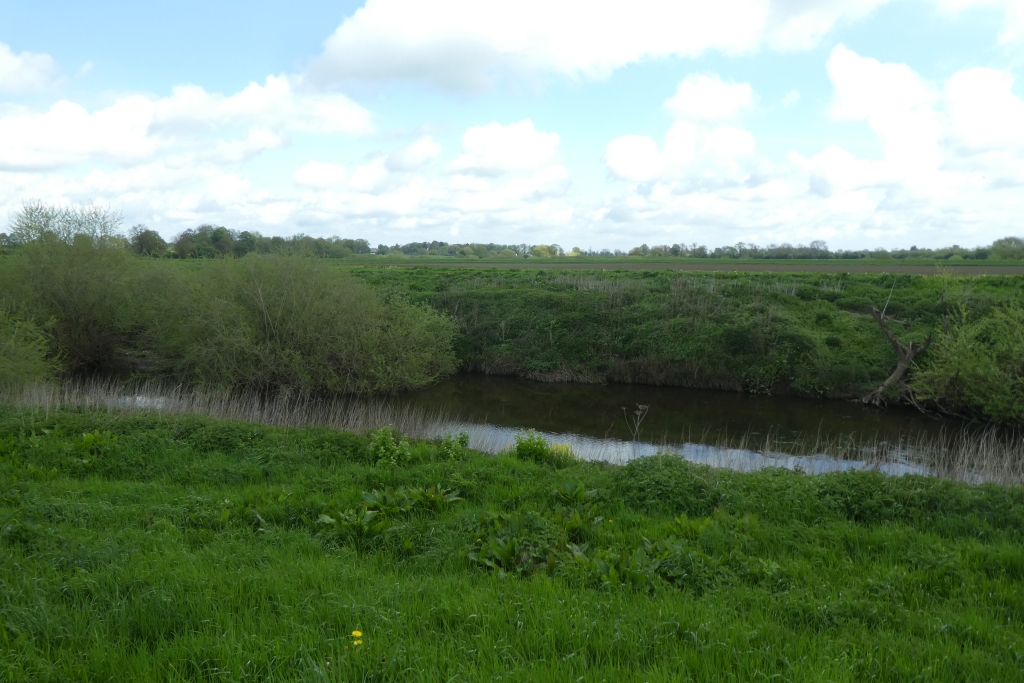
x=141 y=546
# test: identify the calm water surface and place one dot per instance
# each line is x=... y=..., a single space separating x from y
x=594 y=419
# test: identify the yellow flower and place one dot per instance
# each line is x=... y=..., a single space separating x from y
x=357 y=643
x=357 y=634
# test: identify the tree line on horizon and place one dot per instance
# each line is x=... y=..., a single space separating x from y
x=40 y=221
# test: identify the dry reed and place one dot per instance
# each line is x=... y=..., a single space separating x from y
x=282 y=409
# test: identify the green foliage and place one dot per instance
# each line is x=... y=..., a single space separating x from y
x=454 y=447
x=270 y=322
x=146 y=242
x=759 y=332
x=1008 y=248
x=94 y=441
x=213 y=241
x=256 y=323
x=195 y=547
x=23 y=353
x=82 y=296
x=976 y=366
x=410 y=499
x=803 y=333
x=385 y=450
x=532 y=447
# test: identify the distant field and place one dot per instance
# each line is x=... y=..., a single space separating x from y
x=722 y=265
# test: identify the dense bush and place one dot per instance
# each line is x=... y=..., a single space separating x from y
x=80 y=292
x=259 y=322
x=262 y=322
x=23 y=353
x=976 y=366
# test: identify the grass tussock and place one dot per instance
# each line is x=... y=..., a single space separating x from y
x=145 y=546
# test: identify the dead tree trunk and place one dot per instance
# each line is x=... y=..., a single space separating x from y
x=904 y=359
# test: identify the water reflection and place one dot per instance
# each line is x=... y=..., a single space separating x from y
x=698 y=425
x=495 y=439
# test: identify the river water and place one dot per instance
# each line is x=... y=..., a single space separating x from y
x=728 y=429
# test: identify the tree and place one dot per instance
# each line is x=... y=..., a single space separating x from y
x=146 y=242
x=38 y=221
x=1008 y=248
x=904 y=359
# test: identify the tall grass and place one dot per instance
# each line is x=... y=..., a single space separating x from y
x=284 y=409
x=971 y=454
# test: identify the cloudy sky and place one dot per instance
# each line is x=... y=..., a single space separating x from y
x=596 y=124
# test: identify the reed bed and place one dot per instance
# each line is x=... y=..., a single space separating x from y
x=282 y=409
x=974 y=455
x=970 y=454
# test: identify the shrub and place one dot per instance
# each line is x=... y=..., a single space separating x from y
x=79 y=293
x=531 y=446
x=263 y=322
x=454 y=447
x=977 y=366
x=23 y=353
x=384 y=450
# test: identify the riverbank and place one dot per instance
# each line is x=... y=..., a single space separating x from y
x=805 y=334
x=172 y=547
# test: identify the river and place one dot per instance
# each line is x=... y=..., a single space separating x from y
x=602 y=422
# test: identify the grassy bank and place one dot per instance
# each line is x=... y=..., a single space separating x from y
x=148 y=547
x=799 y=332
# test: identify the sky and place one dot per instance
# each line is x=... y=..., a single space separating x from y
x=597 y=124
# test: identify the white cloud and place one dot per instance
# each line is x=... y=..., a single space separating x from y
x=495 y=149
x=68 y=134
x=415 y=155
x=794 y=25
x=708 y=98
x=896 y=103
x=277 y=103
x=25 y=72
x=986 y=114
x=318 y=174
x=136 y=128
x=464 y=44
x=694 y=146
x=633 y=157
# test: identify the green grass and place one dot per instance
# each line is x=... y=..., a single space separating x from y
x=187 y=549
x=658 y=262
